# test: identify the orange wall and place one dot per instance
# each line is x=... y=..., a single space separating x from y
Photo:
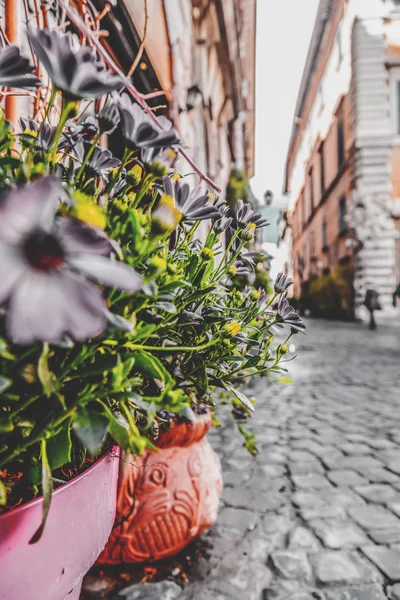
x=307 y=225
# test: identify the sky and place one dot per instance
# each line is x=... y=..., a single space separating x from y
x=284 y=30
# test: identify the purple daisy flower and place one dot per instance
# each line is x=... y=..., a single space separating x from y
x=194 y=207
x=140 y=131
x=46 y=268
x=73 y=69
x=15 y=70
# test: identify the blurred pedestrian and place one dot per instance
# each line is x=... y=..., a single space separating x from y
x=372 y=303
x=396 y=295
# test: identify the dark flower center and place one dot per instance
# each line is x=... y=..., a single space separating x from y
x=43 y=251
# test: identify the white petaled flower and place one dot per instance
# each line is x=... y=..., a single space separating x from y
x=48 y=267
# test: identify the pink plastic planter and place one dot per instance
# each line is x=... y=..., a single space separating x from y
x=79 y=523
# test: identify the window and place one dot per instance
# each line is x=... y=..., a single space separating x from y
x=324 y=235
x=321 y=167
x=339 y=43
x=311 y=186
x=398 y=106
x=342 y=216
x=340 y=141
x=312 y=245
x=321 y=100
x=395 y=101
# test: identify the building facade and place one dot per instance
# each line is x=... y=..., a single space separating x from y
x=342 y=174
x=198 y=63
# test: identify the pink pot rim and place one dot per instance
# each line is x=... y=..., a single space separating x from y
x=68 y=484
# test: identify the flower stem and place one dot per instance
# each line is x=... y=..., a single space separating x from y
x=65 y=113
x=49 y=106
x=87 y=157
x=174 y=348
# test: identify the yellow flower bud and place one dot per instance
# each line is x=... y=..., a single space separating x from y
x=248 y=233
x=255 y=295
x=231 y=329
x=87 y=210
x=232 y=271
x=157 y=265
x=206 y=254
x=166 y=216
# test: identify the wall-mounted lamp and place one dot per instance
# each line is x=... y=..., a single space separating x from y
x=193 y=98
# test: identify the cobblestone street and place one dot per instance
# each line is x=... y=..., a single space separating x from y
x=316 y=516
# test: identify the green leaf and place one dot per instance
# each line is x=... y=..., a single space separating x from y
x=150 y=365
x=59 y=447
x=47 y=486
x=174 y=285
x=143 y=332
x=168 y=307
x=207 y=272
x=252 y=362
x=91 y=429
x=46 y=377
x=5 y=383
x=3 y=494
x=119 y=433
x=202 y=380
x=241 y=397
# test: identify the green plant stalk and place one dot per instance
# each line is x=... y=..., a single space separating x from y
x=87 y=157
x=144 y=188
x=49 y=106
x=113 y=180
x=65 y=113
x=38 y=437
x=221 y=266
x=174 y=348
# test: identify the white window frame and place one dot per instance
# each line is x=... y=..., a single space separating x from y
x=395 y=104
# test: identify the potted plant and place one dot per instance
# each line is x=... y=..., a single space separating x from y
x=116 y=322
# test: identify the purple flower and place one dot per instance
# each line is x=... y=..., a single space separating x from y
x=246 y=214
x=282 y=283
x=192 y=206
x=108 y=117
x=140 y=131
x=15 y=70
x=46 y=268
x=99 y=163
x=74 y=70
x=40 y=137
x=286 y=315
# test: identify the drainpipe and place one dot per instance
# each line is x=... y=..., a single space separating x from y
x=12 y=22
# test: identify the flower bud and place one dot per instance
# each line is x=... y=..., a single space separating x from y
x=206 y=254
x=166 y=216
x=134 y=176
x=255 y=295
x=229 y=330
x=157 y=266
x=248 y=232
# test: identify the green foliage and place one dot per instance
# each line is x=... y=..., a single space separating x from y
x=237 y=188
x=185 y=334
x=332 y=295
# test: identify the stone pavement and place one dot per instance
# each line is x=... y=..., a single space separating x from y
x=316 y=515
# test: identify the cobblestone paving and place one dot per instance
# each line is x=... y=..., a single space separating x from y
x=316 y=516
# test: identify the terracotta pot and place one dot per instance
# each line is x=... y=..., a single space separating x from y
x=166 y=498
x=81 y=515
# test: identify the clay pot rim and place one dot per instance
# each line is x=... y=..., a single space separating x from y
x=112 y=453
